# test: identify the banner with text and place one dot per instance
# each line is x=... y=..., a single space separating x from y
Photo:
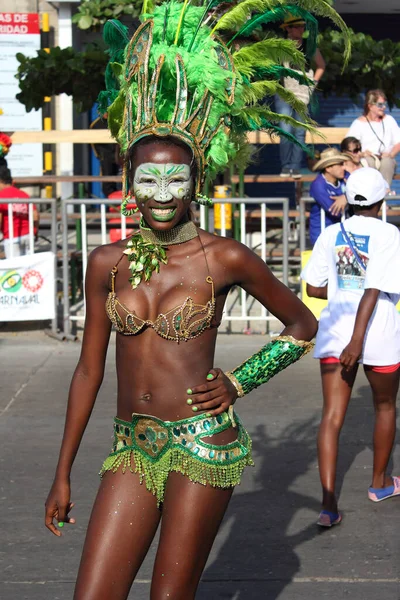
x=27 y=287
x=19 y=33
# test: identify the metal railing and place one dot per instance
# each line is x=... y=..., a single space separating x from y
x=69 y=308
x=12 y=239
x=73 y=312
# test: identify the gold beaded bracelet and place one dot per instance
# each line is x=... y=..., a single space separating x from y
x=236 y=383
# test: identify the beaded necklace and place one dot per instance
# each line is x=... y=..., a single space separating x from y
x=147 y=249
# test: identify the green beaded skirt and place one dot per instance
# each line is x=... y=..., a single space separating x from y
x=153 y=448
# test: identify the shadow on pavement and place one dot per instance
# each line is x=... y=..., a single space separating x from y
x=267 y=526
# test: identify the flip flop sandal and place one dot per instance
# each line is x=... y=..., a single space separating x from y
x=379 y=494
x=327 y=518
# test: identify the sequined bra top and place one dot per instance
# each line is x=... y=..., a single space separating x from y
x=182 y=323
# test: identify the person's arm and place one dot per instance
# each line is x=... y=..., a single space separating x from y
x=85 y=385
x=317 y=292
x=394 y=151
x=394 y=129
x=353 y=350
x=316 y=271
x=339 y=205
x=334 y=205
x=35 y=221
x=245 y=269
x=319 y=66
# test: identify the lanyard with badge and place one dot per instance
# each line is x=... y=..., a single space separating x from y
x=381 y=142
x=353 y=247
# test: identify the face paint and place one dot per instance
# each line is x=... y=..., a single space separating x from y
x=162 y=182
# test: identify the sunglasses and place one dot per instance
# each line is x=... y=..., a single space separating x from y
x=294 y=26
x=380 y=104
x=354 y=151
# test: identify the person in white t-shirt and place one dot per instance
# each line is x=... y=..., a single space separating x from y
x=356 y=266
x=378 y=133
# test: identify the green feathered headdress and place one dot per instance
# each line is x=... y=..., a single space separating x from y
x=204 y=79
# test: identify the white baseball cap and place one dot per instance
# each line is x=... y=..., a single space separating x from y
x=366 y=182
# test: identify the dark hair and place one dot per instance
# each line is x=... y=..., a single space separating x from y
x=372 y=96
x=354 y=209
x=345 y=143
x=5 y=174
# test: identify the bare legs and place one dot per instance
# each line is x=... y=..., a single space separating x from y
x=337 y=386
x=192 y=514
x=384 y=388
x=122 y=526
x=123 y=523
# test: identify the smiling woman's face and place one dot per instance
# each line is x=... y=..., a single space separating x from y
x=163 y=183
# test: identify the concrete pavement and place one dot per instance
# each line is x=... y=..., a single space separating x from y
x=268 y=547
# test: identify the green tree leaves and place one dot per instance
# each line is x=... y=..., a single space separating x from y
x=62 y=71
x=93 y=13
x=373 y=64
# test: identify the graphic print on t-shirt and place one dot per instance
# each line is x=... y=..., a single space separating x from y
x=349 y=273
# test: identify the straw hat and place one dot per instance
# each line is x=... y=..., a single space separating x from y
x=329 y=157
x=292 y=20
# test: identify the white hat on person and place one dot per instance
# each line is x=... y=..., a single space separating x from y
x=365 y=187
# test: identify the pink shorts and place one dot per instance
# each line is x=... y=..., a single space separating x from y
x=386 y=369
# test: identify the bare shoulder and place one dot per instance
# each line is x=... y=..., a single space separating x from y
x=226 y=251
x=103 y=258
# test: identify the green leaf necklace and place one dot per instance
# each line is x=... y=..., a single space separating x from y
x=146 y=250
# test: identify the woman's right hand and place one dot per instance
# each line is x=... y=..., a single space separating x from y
x=58 y=505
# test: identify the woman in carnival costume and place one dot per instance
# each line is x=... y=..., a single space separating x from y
x=180 y=104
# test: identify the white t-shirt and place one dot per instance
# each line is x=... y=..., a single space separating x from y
x=332 y=262
x=376 y=136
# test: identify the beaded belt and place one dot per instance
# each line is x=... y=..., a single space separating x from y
x=153 y=448
x=154 y=437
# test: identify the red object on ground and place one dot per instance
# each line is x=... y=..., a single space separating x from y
x=115 y=234
x=20 y=212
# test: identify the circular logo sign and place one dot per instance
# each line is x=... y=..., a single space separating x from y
x=32 y=281
x=11 y=281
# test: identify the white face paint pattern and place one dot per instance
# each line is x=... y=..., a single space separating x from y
x=162 y=182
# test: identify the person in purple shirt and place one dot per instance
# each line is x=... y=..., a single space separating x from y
x=328 y=191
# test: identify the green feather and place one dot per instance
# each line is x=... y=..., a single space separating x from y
x=165 y=21
x=234 y=18
x=258 y=90
x=115 y=35
x=279 y=13
x=148 y=7
x=181 y=16
x=258 y=68
x=322 y=8
x=257 y=114
x=309 y=150
x=209 y=6
x=260 y=54
x=279 y=71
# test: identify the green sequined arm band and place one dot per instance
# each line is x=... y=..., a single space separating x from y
x=270 y=360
